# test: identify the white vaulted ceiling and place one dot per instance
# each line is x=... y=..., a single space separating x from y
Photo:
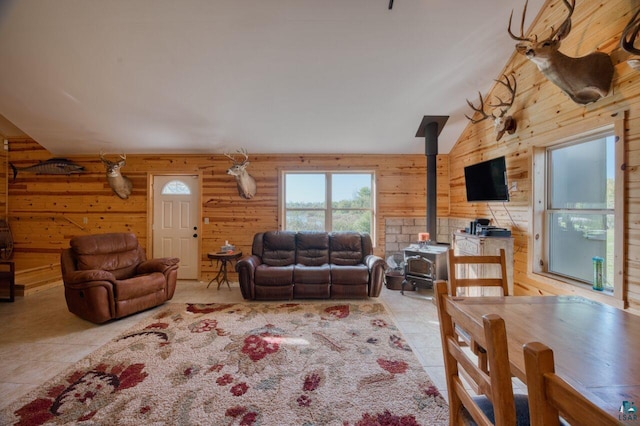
x=273 y=76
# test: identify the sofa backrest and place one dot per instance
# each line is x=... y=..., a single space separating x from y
x=284 y=248
x=279 y=248
x=348 y=248
x=312 y=248
x=118 y=253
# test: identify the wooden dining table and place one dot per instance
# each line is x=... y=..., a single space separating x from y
x=596 y=346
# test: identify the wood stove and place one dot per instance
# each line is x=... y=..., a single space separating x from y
x=424 y=264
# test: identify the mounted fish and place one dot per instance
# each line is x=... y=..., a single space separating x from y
x=120 y=184
x=52 y=166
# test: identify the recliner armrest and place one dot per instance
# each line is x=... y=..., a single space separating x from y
x=246 y=268
x=83 y=277
x=372 y=261
x=160 y=264
x=377 y=267
x=251 y=262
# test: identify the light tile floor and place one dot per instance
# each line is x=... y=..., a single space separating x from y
x=39 y=338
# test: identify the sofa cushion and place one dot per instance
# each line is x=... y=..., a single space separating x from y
x=312 y=248
x=139 y=286
x=303 y=274
x=346 y=248
x=279 y=248
x=312 y=291
x=356 y=274
x=273 y=275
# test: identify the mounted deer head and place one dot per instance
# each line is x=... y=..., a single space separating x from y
x=628 y=38
x=501 y=123
x=120 y=184
x=584 y=80
x=246 y=183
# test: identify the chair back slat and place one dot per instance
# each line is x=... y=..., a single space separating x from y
x=550 y=396
x=459 y=363
x=493 y=272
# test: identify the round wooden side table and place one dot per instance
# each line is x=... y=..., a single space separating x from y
x=222 y=258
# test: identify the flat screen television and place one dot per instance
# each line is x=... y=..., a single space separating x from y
x=487 y=181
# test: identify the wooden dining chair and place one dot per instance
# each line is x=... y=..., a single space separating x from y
x=495 y=403
x=487 y=271
x=490 y=273
x=550 y=396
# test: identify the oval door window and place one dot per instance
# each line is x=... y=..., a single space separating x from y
x=175 y=187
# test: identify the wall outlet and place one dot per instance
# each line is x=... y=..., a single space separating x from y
x=85 y=220
x=206 y=220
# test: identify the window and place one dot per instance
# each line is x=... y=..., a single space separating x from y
x=580 y=208
x=328 y=201
x=577 y=199
x=175 y=187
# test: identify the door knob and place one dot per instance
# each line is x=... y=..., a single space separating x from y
x=195 y=235
x=195 y=228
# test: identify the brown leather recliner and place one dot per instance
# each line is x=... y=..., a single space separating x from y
x=108 y=276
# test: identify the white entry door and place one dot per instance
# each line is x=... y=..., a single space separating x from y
x=176 y=228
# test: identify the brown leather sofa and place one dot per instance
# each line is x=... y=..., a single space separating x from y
x=298 y=265
x=108 y=276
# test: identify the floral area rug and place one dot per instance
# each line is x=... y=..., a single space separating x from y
x=245 y=364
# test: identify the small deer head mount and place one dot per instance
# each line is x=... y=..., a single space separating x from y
x=584 y=80
x=246 y=183
x=628 y=38
x=120 y=184
x=501 y=123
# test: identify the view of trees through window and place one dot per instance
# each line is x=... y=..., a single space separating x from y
x=329 y=202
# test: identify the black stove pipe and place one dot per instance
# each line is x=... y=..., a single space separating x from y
x=431 y=151
x=430 y=128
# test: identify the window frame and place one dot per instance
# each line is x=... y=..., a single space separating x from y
x=537 y=255
x=328 y=209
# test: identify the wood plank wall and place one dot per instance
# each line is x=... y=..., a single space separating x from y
x=45 y=211
x=543 y=112
x=4 y=181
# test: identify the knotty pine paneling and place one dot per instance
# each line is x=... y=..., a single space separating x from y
x=543 y=112
x=4 y=181
x=45 y=211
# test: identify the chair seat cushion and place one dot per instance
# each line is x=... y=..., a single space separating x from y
x=522 y=410
x=353 y=274
x=312 y=274
x=139 y=286
x=273 y=275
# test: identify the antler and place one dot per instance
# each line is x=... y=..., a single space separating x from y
x=123 y=158
x=560 y=33
x=241 y=151
x=512 y=92
x=229 y=156
x=630 y=33
x=564 y=28
x=480 y=109
x=521 y=37
x=499 y=120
